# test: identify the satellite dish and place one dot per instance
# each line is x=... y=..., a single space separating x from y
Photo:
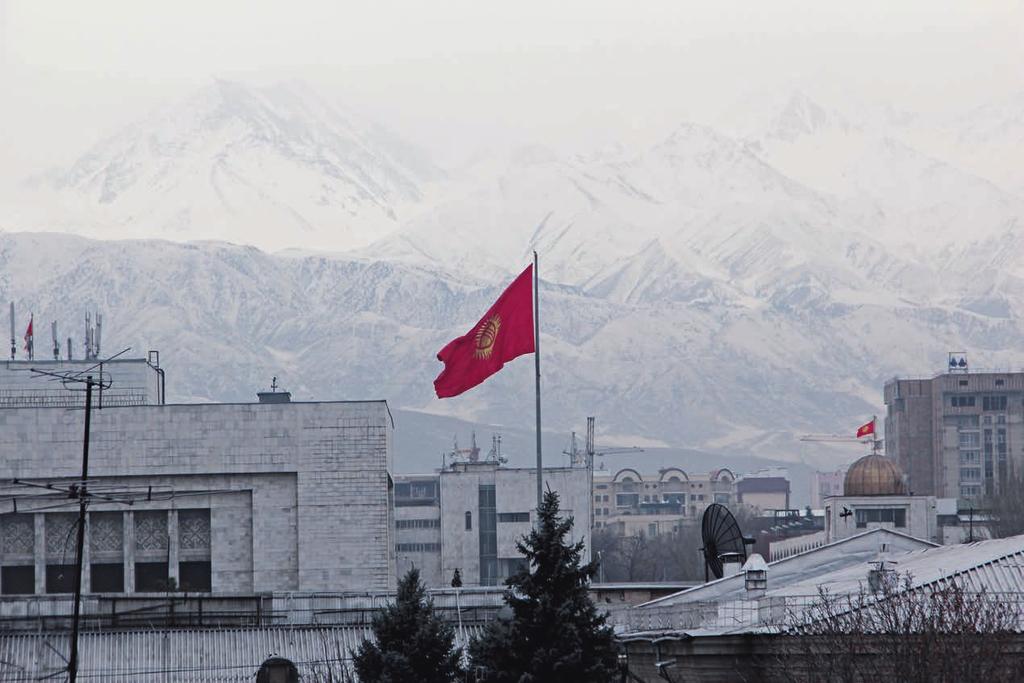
x=722 y=539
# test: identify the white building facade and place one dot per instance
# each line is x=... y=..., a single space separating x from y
x=470 y=515
x=211 y=498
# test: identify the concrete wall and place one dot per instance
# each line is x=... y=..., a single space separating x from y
x=921 y=516
x=315 y=478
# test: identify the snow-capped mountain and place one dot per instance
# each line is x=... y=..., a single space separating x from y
x=716 y=290
x=233 y=161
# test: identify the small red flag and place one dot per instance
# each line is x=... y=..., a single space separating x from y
x=866 y=429
x=505 y=332
x=29 y=335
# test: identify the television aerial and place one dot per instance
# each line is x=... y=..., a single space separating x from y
x=723 y=540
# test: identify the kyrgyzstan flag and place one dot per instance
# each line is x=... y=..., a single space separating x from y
x=866 y=429
x=505 y=332
x=28 y=334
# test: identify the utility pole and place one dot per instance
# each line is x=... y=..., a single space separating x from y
x=81 y=491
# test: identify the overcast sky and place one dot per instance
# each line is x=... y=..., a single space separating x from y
x=458 y=77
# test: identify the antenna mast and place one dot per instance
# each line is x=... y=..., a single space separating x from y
x=14 y=347
x=56 y=344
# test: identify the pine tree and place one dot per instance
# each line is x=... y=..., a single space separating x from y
x=413 y=645
x=555 y=634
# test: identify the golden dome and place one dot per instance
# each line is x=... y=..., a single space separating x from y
x=874 y=475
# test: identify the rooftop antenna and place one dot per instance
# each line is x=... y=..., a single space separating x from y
x=99 y=331
x=14 y=347
x=69 y=348
x=56 y=344
x=88 y=337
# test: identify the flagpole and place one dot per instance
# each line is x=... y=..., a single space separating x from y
x=536 y=361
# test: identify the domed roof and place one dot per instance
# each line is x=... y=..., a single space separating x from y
x=874 y=475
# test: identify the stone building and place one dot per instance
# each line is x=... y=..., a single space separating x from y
x=212 y=498
x=469 y=516
x=956 y=435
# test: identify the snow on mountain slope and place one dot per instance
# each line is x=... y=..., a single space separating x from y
x=708 y=370
x=276 y=165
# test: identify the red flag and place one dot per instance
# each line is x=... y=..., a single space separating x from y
x=29 y=335
x=505 y=332
x=866 y=429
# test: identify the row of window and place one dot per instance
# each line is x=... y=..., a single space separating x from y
x=108 y=577
x=506 y=517
x=417 y=547
x=988 y=403
x=896 y=516
x=417 y=524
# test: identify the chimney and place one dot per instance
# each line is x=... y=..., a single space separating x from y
x=731 y=563
x=755 y=576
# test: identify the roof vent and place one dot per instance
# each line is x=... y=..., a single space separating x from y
x=755 y=574
x=881 y=577
x=274 y=395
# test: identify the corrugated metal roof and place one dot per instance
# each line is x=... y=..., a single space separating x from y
x=995 y=567
x=208 y=655
x=855 y=550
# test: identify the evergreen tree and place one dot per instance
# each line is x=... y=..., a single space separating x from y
x=413 y=645
x=555 y=634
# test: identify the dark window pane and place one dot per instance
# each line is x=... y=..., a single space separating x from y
x=18 y=580
x=106 y=577
x=60 y=578
x=151 y=577
x=194 y=576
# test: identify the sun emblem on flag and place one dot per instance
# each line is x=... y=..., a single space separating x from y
x=485 y=337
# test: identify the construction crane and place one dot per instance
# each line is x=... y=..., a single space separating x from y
x=870 y=438
x=585 y=457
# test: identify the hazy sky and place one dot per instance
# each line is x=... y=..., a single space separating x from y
x=458 y=77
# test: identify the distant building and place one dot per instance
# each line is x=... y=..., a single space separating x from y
x=825 y=485
x=469 y=516
x=956 y=435
x=629 y=502
x=765 y=490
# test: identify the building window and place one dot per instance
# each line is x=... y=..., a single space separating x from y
x=195 y=576
x=962 y=401
x=417 y=524
x=895 y=516
x=17 y=550
x=970 y=474
x=151 y=577
x=152 y=548
x=970 y=457
x=513 y=517
x=469 y=520
x=969 y=440
x=993 y=403
x=61 y=546
x=60 y=578
x=488 y=527
x=970 y=491
x=106 y=552
x=418 y=547
x=509 y=566
x=626 y=500
x=1000 y=382
x=194 y=568
x=106 y=577
x=652 y=529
